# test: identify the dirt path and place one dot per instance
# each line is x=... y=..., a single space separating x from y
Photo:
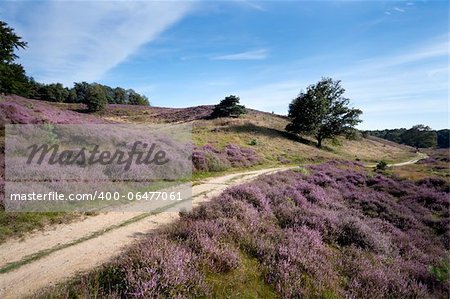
x=46 y=258
x=419 y=156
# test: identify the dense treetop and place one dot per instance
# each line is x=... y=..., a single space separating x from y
x=322 y=111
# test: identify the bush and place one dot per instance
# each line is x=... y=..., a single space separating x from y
x=382 y=165
x=229 y=107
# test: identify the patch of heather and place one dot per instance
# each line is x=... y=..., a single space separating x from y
x=207 y=158
x=334 y=232
x=18 y=110
x=167 y=269
x=159 y=114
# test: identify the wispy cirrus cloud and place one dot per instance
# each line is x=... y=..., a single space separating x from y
x=248 y=55
x=251 y=4
x=399 y=9
x=438 y=48
x=74 y=41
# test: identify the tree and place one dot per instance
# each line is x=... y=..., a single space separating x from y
x=443 y=137
x=109 y=92
x=9 y=42
x=96 y=99
x=71 y=95
x=13 y=78
x=322 y=111
x=419 y=136
x=54 y=92
x=136 y=99
x=81 y=90
x=229 y=107
x=120 y=95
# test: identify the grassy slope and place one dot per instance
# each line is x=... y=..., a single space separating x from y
x=264 y=132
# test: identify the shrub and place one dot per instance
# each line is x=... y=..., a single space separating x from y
x=382 y=165
x=229 y=107
x=253 y=142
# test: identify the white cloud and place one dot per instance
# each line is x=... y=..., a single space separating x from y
x=249 y=55
x=399 y=9
x=73 y=41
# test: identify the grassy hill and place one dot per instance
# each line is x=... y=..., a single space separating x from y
x=333 y=230
x=262 y=131
x=258 y=139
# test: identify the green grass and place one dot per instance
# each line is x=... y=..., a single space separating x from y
x=246 y=281
x=266 y=135
x=17 y=224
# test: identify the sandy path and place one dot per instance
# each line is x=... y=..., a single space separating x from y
x=88 y=251
x=419 y=156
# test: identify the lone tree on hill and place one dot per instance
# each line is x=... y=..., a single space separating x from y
x=229 y=107
x=323 y=112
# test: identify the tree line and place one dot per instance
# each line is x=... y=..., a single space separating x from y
x=14 y=80
x=419 y=136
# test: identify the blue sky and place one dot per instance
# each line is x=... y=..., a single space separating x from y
x=392 y=56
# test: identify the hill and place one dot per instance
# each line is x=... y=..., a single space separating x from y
x=263 y=132
x=369 y=232
x=256 y=140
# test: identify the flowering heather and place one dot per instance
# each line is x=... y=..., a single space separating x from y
x=17 y=110
x=207 y=158
x=167 y=269
x=336 y=232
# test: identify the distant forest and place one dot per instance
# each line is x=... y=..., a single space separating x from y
x=419 y=136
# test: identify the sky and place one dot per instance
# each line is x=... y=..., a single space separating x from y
x=391 y=56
